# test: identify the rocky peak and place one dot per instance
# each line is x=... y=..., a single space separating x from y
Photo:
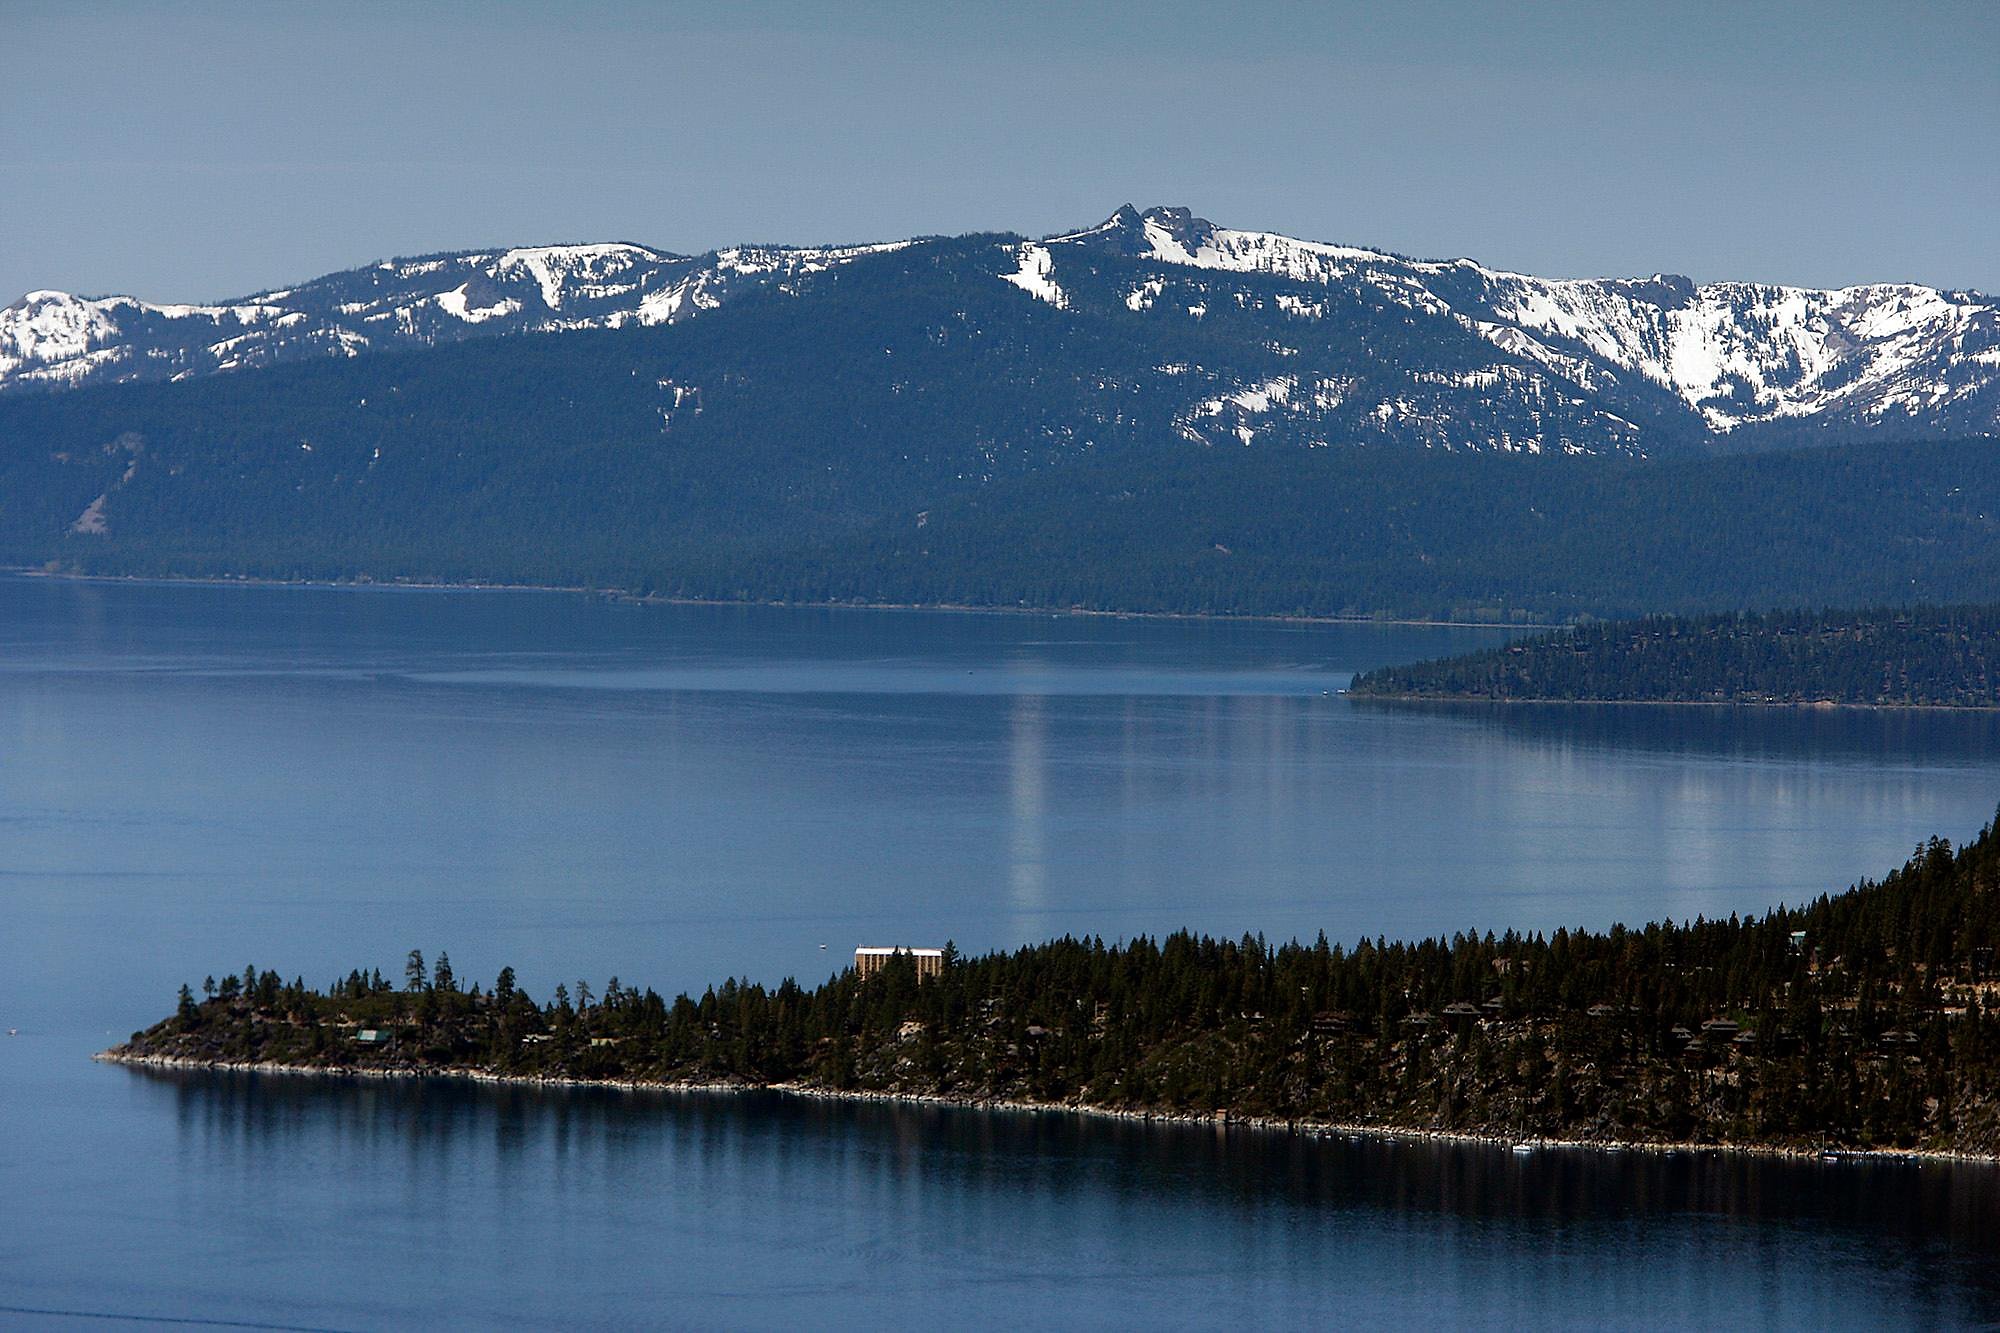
x=1186 y=230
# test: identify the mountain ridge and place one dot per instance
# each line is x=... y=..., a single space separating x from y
x=1249 y=425
x=1574 y=365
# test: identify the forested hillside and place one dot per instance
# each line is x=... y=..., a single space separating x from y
x=1862 y=1019
x=1154 y=413
x=692 y=462
x=923 y=430
x=1917 y=656
x=1360 y=532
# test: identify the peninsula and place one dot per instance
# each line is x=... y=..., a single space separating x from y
x=1863 y=1020
x=1913 y=657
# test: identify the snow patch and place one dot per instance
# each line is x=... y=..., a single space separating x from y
x=51 y=326
x=454 y=302
x=1033 y=275
x=555 y=268
x=1142 y=297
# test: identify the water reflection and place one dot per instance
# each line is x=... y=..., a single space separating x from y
x=1027 y=843
x=233 y=1113
x=1865 y=735
x=876 y=1193
x=197 y=778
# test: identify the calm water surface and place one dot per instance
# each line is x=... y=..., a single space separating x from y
x=193 y=778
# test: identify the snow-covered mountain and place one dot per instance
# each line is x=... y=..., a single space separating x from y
x=54 y=339
x=1319 y=343
x=1732 y=354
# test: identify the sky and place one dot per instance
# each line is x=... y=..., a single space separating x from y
x=196 y=151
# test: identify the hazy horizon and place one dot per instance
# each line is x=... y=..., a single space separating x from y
x=198 y=151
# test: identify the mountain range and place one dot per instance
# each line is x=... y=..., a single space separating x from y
x=1325 y=343
x=1154 y=413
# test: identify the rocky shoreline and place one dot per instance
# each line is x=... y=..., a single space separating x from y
x=1222 y=1119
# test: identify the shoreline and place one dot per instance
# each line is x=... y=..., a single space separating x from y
x=1307 y=1128
x=1795 y=705
x=654 y=599
x=966 y=609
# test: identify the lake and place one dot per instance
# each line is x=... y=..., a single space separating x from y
x=195 y=778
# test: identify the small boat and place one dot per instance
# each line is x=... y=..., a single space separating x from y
x=1523 y=1149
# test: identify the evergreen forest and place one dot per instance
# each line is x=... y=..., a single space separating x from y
x=957 y=444
x=1866 y=1019
x=1919 y=656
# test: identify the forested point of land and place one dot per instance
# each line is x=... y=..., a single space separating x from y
x=1922 y=656
x=1862 y=1020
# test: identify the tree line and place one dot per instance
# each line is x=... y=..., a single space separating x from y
x=1860 y=1019
x=1893 y=656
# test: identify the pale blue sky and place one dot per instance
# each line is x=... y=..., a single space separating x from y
x=193 y=151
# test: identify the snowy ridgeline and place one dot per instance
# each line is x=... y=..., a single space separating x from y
x=1479 y=358
x=56 y=339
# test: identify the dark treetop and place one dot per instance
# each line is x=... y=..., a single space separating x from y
x=1861 y=1020
x=1926 y=655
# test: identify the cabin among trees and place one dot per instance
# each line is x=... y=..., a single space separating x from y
x=1862 y=1019
x=871 y=959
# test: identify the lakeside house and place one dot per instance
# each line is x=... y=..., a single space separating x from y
x=870 y=959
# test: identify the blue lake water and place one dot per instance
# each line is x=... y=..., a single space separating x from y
x=196 y=778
